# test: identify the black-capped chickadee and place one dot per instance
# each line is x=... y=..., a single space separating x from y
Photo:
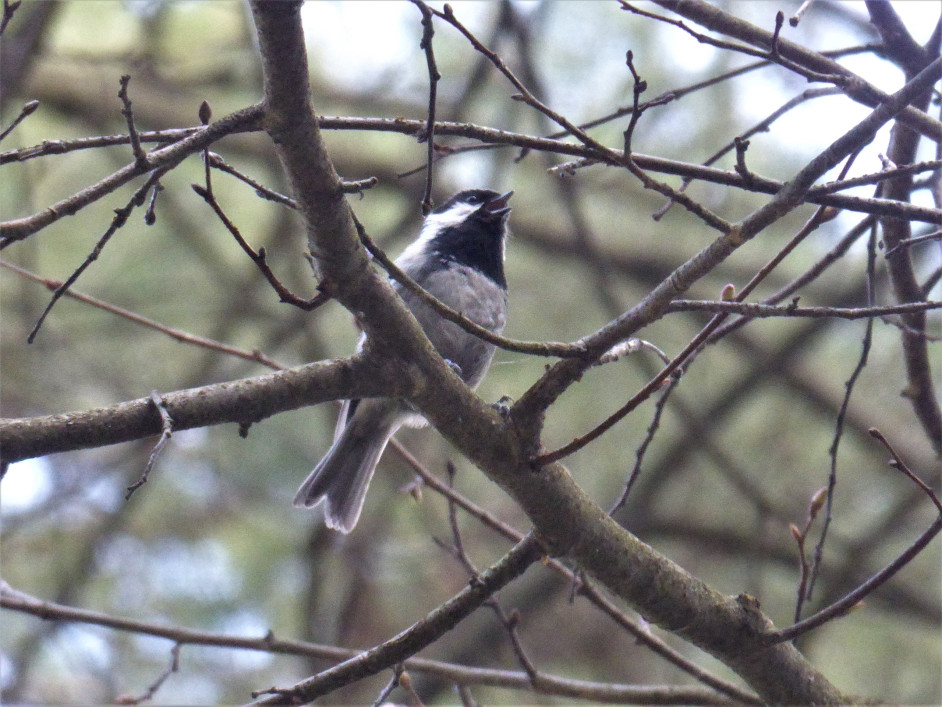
x=459 y=258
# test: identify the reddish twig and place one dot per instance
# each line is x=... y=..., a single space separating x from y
x=152 y=689
x=800 y=535
x=841 y=607
x=897 y=463
x=260 y=258
x=255 y=356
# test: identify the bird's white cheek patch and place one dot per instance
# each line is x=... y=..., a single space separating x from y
x=455 y=216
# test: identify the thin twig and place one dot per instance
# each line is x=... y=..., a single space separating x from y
x=841 y=607
x=675 y=196
x=260 y=258
x=166 y=427
x=348 y=187
x=908 y=242
x=645 y=638
x=653 y=427
x=758 y=310
x=194 y=139
x=509 y=621
x=433 y=78
x=763 y=125
x=423 y=632
x=803 y=280
x=28 y=109
x=255 y=356
x=897 y=463
x=140 y=158
x=389 y=686
x=152 y=689
x=800 y=535
x=8 y=9
x=842 y=414
x=120 y=218
x=685 y=356
x=799 y=13
x=15 y=600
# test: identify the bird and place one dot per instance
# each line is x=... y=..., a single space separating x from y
x=458 y=258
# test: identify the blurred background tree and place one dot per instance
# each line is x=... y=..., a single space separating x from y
x=754 y=429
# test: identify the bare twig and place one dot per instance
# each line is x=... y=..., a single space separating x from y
x=189 y=140
x=433 y=78
x=908 y=242
x=163 y=159
x=897 y=463
x=800 y=535
x=120 y=218
x=509 y=621
x=645 y=638
x=140 y=158
x=842 y=414
x=674 y=195
x=349 y=187
x=255 y=356
x=166 y=426
x=9 y=7
x=757 y=310
x=14 y=600
x=852 y=599
x=689 y=351
x=643 y=447
x=799 y=13
x=763 y=125
x=803 y=280
x=260 y=258
x=28 y=109
x=152 y=689
x=388 y=687
x=420 y=634
x=48 y=148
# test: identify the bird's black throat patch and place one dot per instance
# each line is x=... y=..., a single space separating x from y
x=477 y=243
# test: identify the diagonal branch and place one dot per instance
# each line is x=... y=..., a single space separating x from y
x=530 y=407
x=420 y=634
x=716 y=19
x=164 y=158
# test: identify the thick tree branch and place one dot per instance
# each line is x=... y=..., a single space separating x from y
x=920 y=388
x=243 y=401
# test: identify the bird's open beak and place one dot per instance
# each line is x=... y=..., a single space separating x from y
x=499 y=206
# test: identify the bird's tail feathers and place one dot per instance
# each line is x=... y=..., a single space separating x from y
x=341 y=478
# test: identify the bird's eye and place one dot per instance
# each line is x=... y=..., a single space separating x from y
x=474 y=199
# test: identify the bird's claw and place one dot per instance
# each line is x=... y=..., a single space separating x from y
x=503 y=406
